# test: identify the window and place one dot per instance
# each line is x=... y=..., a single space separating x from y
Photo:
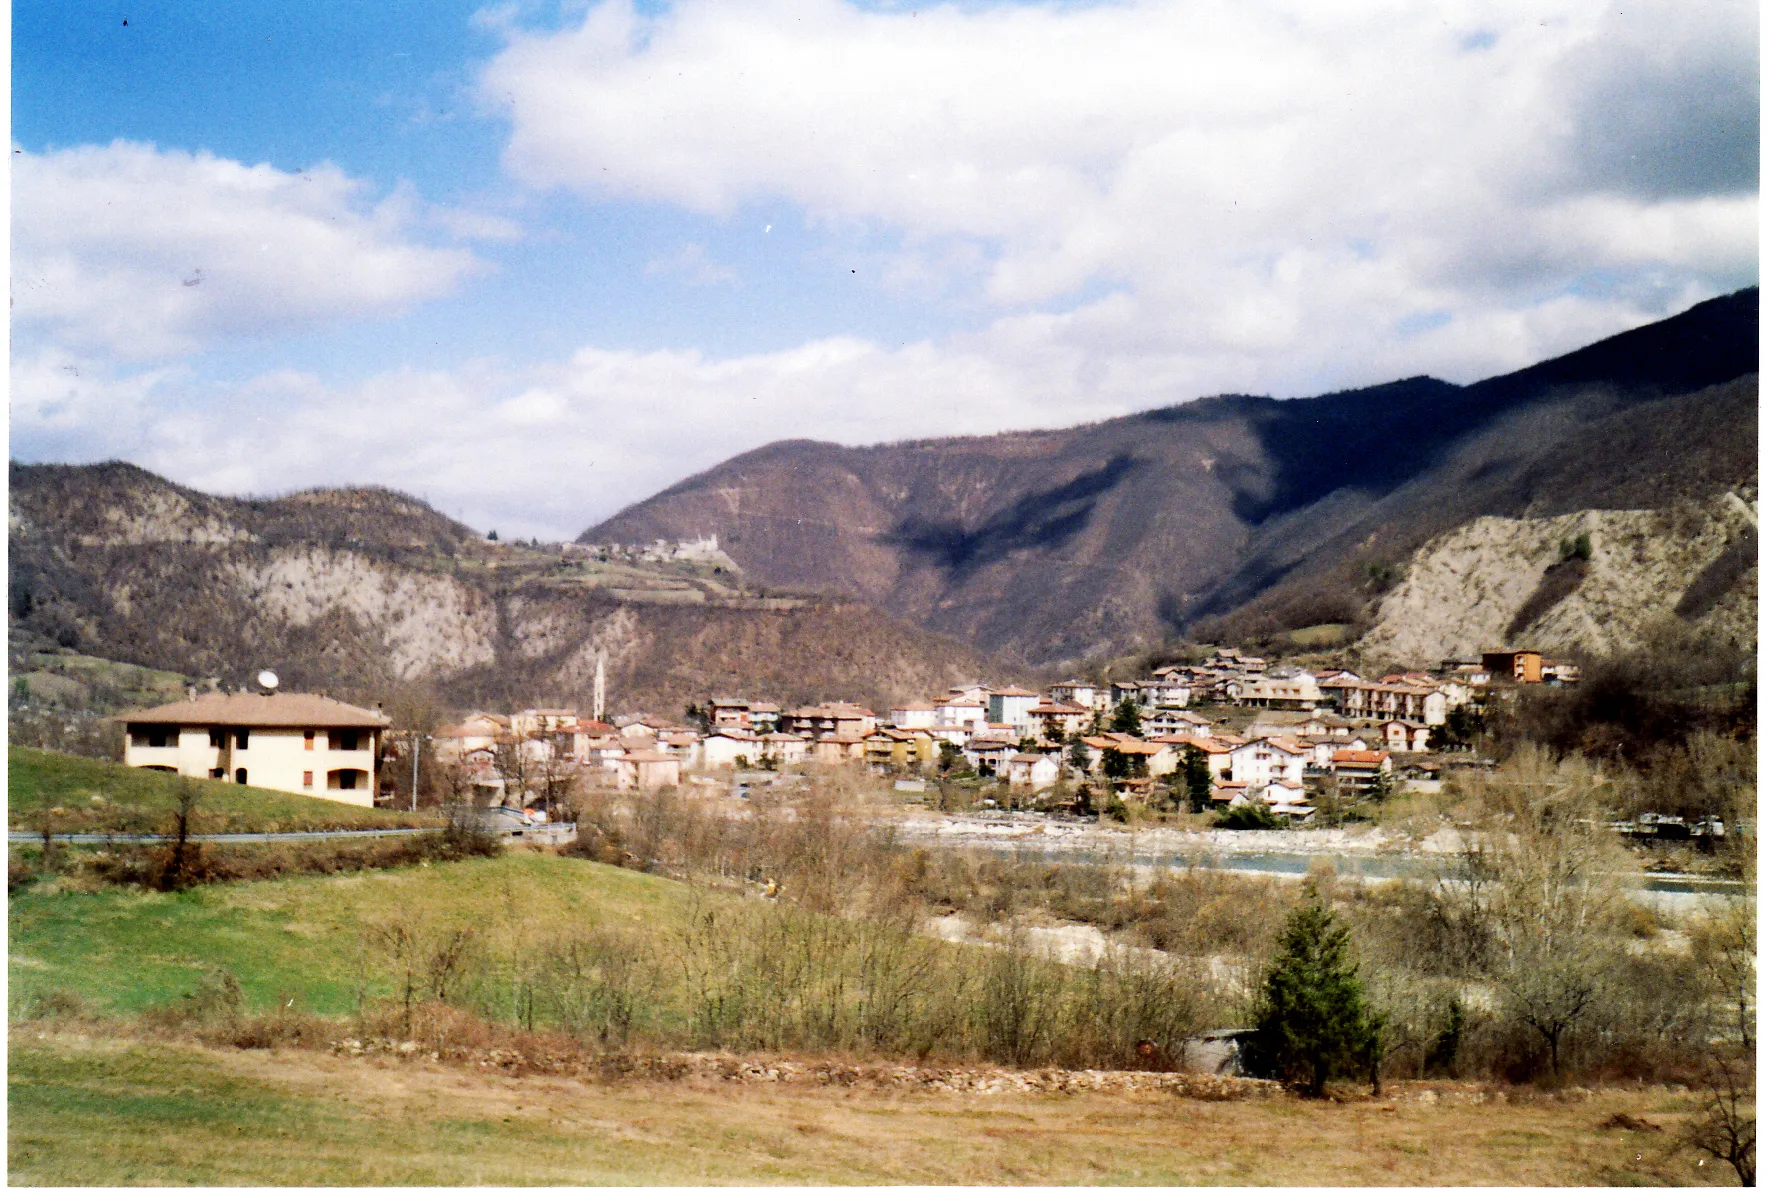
x=241 y=737
x=153 y=736
x=239 y=777
x=306 y=779
x=346 y=740
x=217 y=773
x=307 y=743
x=345 y=779
x=217 y=737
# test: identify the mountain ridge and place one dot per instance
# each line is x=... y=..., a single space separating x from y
x=1067 y=545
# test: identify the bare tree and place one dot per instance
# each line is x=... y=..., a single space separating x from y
x=1534 y=891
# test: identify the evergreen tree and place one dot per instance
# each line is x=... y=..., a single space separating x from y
x=1114 y=765
x=1127 y=718
x=1312 y=1020
x=1197 y=779
x=1077 y=755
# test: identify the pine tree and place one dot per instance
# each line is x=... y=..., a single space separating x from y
x=1127 y=719
x=1313 y=1021
x=1197 y=779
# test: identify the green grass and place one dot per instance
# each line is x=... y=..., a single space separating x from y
x=127 y=950
x=96 y=796
x=1321 y=635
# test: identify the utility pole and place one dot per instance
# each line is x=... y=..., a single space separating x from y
x=417 y=746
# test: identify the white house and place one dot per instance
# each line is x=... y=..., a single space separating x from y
x=1082 y=693
x=1032 y=771
x=916 y=715
x=1011 y=706
x=959 y=711
x=722 y=748
x=290 y=742
x=1263 y=760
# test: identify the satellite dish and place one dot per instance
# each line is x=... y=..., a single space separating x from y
x=267 y=681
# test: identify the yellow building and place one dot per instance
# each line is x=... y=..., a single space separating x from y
x=291 y=742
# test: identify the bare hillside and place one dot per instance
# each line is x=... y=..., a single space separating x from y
x=365 y=592
x=1499 y=581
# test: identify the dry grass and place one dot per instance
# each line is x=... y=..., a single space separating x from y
x=94 y=1109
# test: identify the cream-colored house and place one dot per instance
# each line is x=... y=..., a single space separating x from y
x=290 y=742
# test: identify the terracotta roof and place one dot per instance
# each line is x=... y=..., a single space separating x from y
x=1349 y=756
x=1011 y=691
x=1209 y=746
x=651 y=757
x=914 y=707
x=1060 y=707
x=256 y=709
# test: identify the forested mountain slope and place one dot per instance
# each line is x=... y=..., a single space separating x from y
x=1232 y=515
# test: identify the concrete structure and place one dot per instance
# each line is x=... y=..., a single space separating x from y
x=1082 y=693
x=916 y=715
x=1523 y=667
x=642 y=770
x=291 y=742
x=1032 y=771
x=1264 y=760
x=1011 y=706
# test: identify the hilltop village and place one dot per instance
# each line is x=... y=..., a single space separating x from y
x=1231 y=732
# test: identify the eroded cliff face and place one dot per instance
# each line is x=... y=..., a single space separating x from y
x=1465 y=591
x=427 y=625
x=362 y=593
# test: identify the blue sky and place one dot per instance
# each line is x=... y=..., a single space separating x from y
x=537 y=261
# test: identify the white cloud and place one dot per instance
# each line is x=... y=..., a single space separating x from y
x=140 y=253
x=1260 y=177
x=692 y=264
x=549 y=449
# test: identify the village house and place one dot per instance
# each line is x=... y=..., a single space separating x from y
x=536 y=723
x=764 y=717
x=784 y=749
x=644 y=770
x=289 y=742
x=1058 y=720
x=585 y=734
x=478 y=736
x=988 y=755
x=1011 y=706
x=891 y=749
x=837 y=731
x=1293 y=692
x=1218 y=753
x=1165 y=720
x=728 y=713
x=1399 y=734
x=725 y=748
x=1357 y=770
x=1260 y=761
x=959 y=711
x=1033 y=772
x=1082 y=693
x=1381 y=700
x=1521 y=666
x=916 y=715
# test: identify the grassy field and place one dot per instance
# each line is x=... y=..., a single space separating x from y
x=96 y=796
x=294 y=938
x=85 y=1108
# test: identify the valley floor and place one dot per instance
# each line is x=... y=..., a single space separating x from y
x=91 y=1106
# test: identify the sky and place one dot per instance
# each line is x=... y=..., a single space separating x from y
x=533 y=262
